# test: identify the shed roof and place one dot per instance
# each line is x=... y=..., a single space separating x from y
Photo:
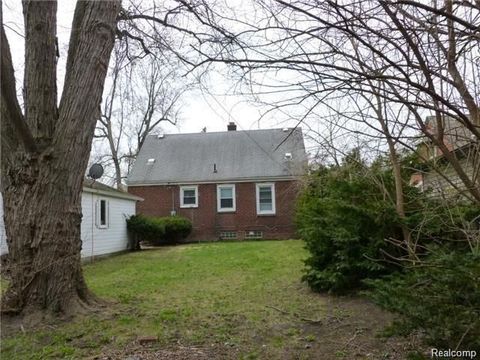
x=97 y=187
x=220 y=156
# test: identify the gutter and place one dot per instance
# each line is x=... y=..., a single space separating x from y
x=115 y=194
x=227 y=181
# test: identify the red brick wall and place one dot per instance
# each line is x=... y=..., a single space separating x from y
x=207 y=222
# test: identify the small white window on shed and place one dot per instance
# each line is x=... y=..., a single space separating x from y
x=102 y=214
x=150 y=161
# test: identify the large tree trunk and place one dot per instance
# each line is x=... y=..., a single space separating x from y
x=45 y=153
x=42 y=217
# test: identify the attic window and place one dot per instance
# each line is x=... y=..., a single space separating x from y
x=150 y=161
x=288 y=156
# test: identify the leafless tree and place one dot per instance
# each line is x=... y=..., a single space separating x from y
x=45 y=148
x=388 y=63
x=143 y=94
x=417 y=56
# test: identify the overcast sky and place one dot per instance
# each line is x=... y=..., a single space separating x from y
x=199 y=109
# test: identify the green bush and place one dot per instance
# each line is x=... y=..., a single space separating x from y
x=146 y=228
x=442 y=222
x=344 y=218
x=346 y=215
x=159 y=230
x=440 y=297
x=176 y=228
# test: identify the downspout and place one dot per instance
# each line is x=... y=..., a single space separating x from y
x=93 y=219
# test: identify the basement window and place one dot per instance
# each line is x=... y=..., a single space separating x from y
x=228 y=235
x=226 y=198
x=189 y=196
x=253 y=234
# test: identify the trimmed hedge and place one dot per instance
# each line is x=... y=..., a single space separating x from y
x=159 y=230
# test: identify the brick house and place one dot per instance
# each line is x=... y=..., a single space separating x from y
x=231 y=185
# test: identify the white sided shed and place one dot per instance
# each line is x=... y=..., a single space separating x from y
x=104 y=228
x=105 y=211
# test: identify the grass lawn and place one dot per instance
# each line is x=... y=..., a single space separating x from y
x=241 y=300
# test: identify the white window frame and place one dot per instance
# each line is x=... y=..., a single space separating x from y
x=226 y=186
x=228 y=235
x=98 y=215
x=265 y=212
x=182 y=190
x=251 y=234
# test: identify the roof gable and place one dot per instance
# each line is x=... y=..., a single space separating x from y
x=219 y=156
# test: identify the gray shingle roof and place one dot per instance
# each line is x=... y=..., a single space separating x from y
x=236 y=155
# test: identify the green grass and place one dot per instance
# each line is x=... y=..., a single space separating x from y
x=200 y=294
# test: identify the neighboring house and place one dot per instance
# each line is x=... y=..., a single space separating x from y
x=231 y=185
x=462 y=144
x=103 y=227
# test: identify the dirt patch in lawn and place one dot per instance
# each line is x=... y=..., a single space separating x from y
x=136 y=352
x=351 y=329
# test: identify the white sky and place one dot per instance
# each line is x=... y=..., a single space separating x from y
x=198 y=109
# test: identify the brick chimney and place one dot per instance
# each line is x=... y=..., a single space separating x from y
x=231 y=126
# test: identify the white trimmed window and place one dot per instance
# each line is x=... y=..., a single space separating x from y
x=254 y=234
x=226 y=198
x=189 y=196
x=101 y=214
x=265 y=199
x=226 y=235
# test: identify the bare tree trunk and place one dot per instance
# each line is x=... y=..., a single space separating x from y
x=115 y=159
x=155 y=101
x=399 y=195
x=42 y=217
x=42 y=171
x=397 y=176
